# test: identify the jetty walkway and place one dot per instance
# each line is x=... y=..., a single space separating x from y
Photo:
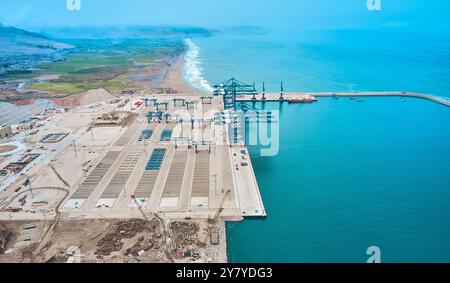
x=270 y=97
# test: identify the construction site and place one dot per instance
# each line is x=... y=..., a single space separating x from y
x=146 y=178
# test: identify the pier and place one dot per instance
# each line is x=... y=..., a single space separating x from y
x=276 y=97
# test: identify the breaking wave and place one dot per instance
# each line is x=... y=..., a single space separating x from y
x=193 y=70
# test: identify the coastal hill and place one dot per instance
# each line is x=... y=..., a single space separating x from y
x=22 y=50
x=116 y=60
x=14 y=40
x=126 y=32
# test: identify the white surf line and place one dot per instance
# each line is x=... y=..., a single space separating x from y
x=193 y=69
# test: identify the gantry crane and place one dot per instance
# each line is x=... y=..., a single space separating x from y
x=232 y=88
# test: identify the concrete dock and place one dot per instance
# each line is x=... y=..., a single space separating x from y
x=270 y=97
x=179 y=168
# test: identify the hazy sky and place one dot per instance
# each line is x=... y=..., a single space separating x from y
x=293 y=14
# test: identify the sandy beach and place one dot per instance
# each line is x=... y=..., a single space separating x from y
x=165 y=75
x=174 y=77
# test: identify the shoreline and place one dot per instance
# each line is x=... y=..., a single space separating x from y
x=221 y=251
x=171 y=74
x=174 y=77
x=192 y=69
x=168 y=73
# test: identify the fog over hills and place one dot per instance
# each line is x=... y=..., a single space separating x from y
x=126 y=32
x=21 y=50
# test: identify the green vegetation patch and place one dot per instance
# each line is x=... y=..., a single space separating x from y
x=104 y=64
x=113 y=85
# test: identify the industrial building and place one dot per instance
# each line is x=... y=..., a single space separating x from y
x=5 y=131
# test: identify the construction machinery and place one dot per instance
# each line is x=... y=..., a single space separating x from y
x=220 y=209
x=175 y=100
x=140 y=209
x=213 y=221
x=206 y=99
x=165 y=104
x=167 y=253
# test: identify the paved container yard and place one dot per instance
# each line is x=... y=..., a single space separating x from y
x=174 y=162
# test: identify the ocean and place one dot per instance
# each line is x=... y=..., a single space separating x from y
x=348 y=175
x=323 y=61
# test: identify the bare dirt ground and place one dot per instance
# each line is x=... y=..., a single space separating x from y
x=7 y=148
x=4 y=236
x=165 y=76
x=108 y=240
x=22 y=102
x=9 y=234
x=84 y=98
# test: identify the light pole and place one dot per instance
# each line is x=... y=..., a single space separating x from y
x=75 y=148
x=124 y=188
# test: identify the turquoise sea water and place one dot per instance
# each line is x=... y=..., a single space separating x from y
x=348 y=175
x=343 y=60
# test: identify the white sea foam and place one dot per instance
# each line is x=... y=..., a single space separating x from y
x=193 y=70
